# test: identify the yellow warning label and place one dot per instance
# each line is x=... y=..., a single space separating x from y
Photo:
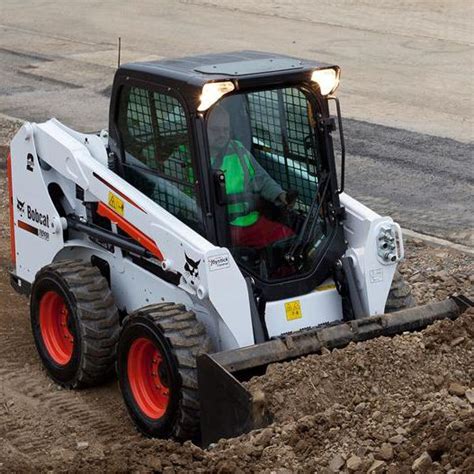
x=116 y=203
x=293 y=310
x=329 y=286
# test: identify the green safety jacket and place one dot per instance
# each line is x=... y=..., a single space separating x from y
x=245 y=181
x=239 y=174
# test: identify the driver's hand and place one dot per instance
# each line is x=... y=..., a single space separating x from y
x=282 y=198
x=288 y=199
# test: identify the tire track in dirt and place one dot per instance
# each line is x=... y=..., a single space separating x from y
x=13 y=342
x=46 y=408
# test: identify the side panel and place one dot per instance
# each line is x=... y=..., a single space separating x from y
x=36 y=223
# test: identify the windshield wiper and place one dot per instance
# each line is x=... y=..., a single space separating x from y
x=312 y=219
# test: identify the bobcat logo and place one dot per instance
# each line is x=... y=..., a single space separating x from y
x=20 y=206
x=191 y=275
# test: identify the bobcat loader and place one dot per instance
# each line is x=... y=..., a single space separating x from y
x=202 y=237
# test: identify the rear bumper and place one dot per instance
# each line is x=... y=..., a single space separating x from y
x=19 y=285
x=228 y=409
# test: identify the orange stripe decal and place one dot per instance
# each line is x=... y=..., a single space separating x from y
x=29 y=228
x=10 y=202
x=130 y=229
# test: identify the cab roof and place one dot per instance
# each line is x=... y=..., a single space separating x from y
x=240 y=65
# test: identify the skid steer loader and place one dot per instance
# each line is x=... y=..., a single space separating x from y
x=205 y=235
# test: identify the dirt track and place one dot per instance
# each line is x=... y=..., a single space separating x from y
x=378 y=405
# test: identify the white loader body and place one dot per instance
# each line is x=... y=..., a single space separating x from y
x=48 y=153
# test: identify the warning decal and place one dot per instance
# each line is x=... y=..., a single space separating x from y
x=293 y=310
x=116 y=203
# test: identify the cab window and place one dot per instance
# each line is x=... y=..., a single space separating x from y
x=266 y=148
x=157 y=153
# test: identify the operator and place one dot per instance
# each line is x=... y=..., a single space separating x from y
x=245 y=182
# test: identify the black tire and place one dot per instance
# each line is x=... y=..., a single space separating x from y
x=399 y=296
x=178 y=338
x=91 y=324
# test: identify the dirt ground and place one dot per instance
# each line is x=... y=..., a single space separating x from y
x=386 y=405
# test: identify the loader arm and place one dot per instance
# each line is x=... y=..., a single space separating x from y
x=76 y=163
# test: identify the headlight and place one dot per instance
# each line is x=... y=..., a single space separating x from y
x=212 y=92
x=327 y=79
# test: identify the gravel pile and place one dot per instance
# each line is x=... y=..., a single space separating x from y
x=381 y=404
x=386 y=405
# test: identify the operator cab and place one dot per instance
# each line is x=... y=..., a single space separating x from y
x=239 y=148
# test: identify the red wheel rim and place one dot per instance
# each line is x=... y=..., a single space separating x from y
x=53 y=320
x=147 y=376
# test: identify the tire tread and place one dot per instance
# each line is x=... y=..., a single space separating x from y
x=187 y=338
x=97 y=316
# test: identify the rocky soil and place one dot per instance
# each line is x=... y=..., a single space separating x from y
x=434 y=273
x=387 y=405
